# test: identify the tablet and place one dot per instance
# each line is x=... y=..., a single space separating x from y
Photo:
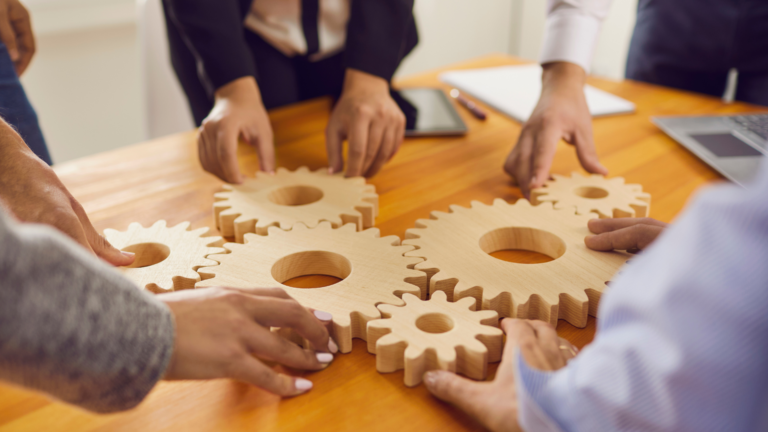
x=428 y=111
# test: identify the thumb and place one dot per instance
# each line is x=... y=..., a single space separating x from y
x=469 y=396
x=334 y=145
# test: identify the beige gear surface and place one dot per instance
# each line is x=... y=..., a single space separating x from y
x=595 y=193
x=372 y=268
x=166 y=258
x=289 y=197
x=435 y=334
x=457 y=245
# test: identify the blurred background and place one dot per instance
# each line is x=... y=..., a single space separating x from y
x=101 y=78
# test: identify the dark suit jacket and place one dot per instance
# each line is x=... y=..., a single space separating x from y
x=379 y=34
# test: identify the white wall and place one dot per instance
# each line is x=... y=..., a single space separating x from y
x=86 y=81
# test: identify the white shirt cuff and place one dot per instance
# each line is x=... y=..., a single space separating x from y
x=570 y=37
x=528 y=383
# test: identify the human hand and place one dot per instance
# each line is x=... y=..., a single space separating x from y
x=220 y=330
x=561 y=113
x=368 y=117
x=238 y=112
x=628 y=234
x=16 y=33
x=494 y=403
x=33 y=193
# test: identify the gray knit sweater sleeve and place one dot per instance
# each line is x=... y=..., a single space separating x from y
x=73 y=327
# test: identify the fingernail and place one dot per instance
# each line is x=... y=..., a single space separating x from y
x=430 y=378
x=302 y=384
x=330 y=170
x=128 y=254
x=323 y=316
x=324 y=357
x=332 y=347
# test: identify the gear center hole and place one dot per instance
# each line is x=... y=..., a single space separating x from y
x=147 y=254
x=311 y=269
x=522 y=245
x=295 y=195
x=591 y=192
x=434 y=323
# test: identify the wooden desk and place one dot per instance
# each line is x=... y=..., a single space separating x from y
x=162 y=179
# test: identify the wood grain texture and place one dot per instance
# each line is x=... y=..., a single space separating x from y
x=162 y=179
x=435 y=334
x=166 y=258
x=608 y=197
x=456 y=247
x=381 y=272
x=287 y=197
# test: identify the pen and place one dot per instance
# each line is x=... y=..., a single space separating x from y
x=468 y=104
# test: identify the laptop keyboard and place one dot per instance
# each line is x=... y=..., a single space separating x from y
x=757 y=124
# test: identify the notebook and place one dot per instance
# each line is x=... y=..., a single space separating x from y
x=514 y=91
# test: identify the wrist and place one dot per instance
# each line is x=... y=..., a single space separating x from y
x=355 y=80
x=563 y=75
x=244 y=88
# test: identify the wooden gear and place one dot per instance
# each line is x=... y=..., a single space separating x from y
x=435 y=334
x=289 y=197
x=457 y=245
x=372 y=268
x=595 y=193
x=166 y=258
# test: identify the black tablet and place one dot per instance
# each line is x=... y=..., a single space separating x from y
x=428 y=111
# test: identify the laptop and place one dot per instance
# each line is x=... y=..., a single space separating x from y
x=732 y=145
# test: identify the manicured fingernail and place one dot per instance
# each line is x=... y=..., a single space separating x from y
x=332 y=347
x=128 y=254
x=323 y=316
x=430 y=378
x=324 y=357
x=302 y=384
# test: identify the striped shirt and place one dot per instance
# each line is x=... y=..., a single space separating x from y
x=682 y=339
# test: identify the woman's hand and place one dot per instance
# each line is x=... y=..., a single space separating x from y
x=224 y=332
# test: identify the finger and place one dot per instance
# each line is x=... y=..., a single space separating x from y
x=549 y=343
x=100 y=246
x=276 y=292
x=599 y=226
x=469 y=396
x=252 y=371
x=334 y=146
x=270 y=346
x=358 y=139
x=517 y=330
x=207 y=157
x=586 y=152
x=374 y=145
x=385 y=151
x=545 y=145
x=399 y=138
x=287 y=313
x=633 y=237
x=523 y=164
x=7 y=35
x=70 y=225
x=25 y=38
x=226 y=154
x=265 y=147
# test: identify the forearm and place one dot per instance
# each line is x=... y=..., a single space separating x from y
x=74 y=328
x=213 y=30
x=572 y=28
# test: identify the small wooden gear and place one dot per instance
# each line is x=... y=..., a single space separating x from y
x=435 y=334
x=595 y=193
x=457 y=245
x=289 y=197
x=166 y=258
x=372 y=268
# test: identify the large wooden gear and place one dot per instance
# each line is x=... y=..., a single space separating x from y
x=290 y=197
x=457 y=245
x=435 y=334
x=166 y=258
x=372 y=268
x=595 y=193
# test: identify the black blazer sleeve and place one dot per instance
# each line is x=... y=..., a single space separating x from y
x=213 y=31
x=380 y=34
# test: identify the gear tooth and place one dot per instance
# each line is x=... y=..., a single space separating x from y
x=299 y=226
x=160 y=224
x=474 y=204
x=302 y=169
x=387 y=310
x=522 y=202
x=392 y=240
x=455 y=208
x=184 y=226
x=251 y=238
x=134 y=226
x=388 y=340
x=439 y=296
x=466 y=302
x=323 y=225
x=370 y=232
x=282 y=170
x=198 y=232
x=438 y=215
x=617 y=180
x=350 y=227
x=498 y=202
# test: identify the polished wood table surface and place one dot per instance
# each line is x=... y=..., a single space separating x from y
x=162 y=179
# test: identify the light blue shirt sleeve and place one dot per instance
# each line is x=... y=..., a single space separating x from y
x=682 y=338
